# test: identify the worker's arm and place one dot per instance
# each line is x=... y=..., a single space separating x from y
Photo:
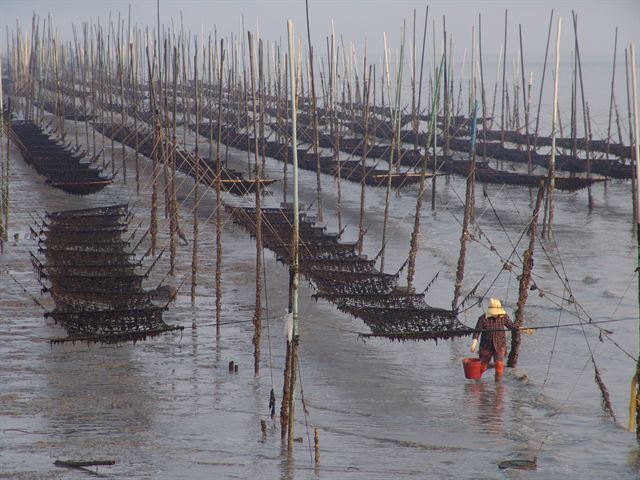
x=476 y=333
x=509 y=324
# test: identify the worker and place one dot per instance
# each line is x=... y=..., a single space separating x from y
x=493 y=341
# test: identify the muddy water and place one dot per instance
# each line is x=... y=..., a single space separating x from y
x=168 y=408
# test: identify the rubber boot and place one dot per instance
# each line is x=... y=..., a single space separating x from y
x=499 y=370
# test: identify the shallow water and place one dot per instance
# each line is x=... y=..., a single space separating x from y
x=168 y=408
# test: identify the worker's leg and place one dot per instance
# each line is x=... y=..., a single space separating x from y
x=498 y=358
x=485 y=357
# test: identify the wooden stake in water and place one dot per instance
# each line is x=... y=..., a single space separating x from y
x=467 y=210
x=196 y=190
x=257 y=317
x=525 y=279
x=366 y=80
x=218 y=195
x=292 y=343
x=153 y=229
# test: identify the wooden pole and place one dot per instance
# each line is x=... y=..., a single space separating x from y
x=314 y=113
x=366 y=80
x=395 y=115
x=294 y=269
x=3 y=183
x=548 y=230
x=504 y=78
x=257 y=317
x=613 y=79
x=584 y=107
x=544 y=70
x=413 y=247
x=636 y=145
x=173 y=219
x=525 y=279
x=153 y=229
x=482 y=91
x=525 y=104
x=218 y=195
x=634 y=160
x=467 y=211
x=196 y=189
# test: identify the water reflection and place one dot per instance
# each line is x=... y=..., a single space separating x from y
x=487 y=403
x=287 y=462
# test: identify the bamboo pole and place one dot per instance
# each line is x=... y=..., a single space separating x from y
x=504 y=79
x=548 y=228
x=196 y=192
x=482 y=91
x=314 y=113
x=424 y=40
x=544 y=70
x=335 y=125
x=634 y=159
x=613 y=79
x=3 y=182
x=123 y=114
x=395 y=115
x=636 y=144
x=413 y=246
x=525 y=279
x=257 y=317
x=293 y=340
x=525 y=104
x=467 y=211
x=584 y=107
x=218 y=196
x=153 y=229
x=173 y=210
x=366 y=79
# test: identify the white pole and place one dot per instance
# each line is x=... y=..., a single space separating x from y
x=635 y=119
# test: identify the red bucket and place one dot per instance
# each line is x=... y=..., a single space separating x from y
x=472 y=368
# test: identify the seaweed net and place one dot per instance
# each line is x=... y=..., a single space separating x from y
x=351 y=281
x=92 y=277
x=63 y=168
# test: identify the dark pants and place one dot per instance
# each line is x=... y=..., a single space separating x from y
x=487 y=353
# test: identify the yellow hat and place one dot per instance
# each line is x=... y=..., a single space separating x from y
x=495 y=308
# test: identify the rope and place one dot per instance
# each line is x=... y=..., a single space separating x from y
x=305 y=410
x=553 y=347
x=266 y=309
x=26 y=291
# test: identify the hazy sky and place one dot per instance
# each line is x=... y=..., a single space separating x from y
x=357 y=20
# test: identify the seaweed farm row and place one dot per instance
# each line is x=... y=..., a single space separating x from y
x=90 y=272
